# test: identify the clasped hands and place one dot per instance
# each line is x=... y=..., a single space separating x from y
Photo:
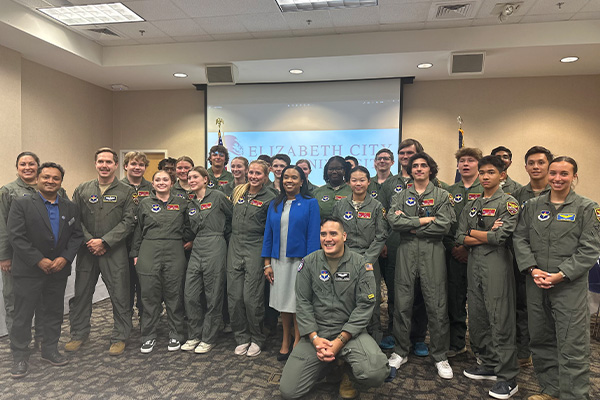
x=51 y=266
x=327 y=350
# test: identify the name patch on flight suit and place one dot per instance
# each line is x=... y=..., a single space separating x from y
x=428 y=202
x=256 y=203
x=192 y=211
x=364 y=215
x=512 y=207
x=110 y=198
x=155 y=208
x=473 y=212
x=93 y=199
x=223 y=183
x=411 y=201
x=488 y=212
x=342 y=276
x=398 y=188
x=324 y=276
x=348 y=215
x=369 y=267
x=544 y=215
x=338 y=197
x=473 y=196
x=569 y=217
x=458 y=198
x=325 y=198
x=205 y=206
x=597 y=212
x=173 y=207
x=143 y=193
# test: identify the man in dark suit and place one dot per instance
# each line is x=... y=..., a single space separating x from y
x=45 y=233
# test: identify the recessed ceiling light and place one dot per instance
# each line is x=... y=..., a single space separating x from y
x=110 y=13
x=425 y=65
x=311 y=5
x=296 y=71
x=569 y=59
x=119 y=87
x=180 y=75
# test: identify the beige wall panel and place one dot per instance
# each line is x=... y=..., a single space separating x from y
x=172 y=120
x=561 y=113
x=10 y=112
x=65 y=120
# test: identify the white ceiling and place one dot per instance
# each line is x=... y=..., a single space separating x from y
x=387 y=40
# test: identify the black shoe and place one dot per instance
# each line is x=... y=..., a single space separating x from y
x=479 y=372
x=55 y=358
x=504 y=389
x=19 y=369
x=283 y=357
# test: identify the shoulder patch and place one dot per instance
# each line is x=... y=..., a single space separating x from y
x=597 y=213
x=451 y=198
x=512 y=207
x=301 y=265
x=369 y=267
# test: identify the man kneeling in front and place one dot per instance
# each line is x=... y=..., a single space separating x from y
x=335 y=297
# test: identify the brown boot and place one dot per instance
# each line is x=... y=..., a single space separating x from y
x=347 y=390
x=525 y=362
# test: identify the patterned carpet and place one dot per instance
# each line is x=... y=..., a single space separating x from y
x=93 y=374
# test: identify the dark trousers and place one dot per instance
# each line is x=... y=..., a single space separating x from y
x=522 y=319
x=419 y=319
x=28 y=292
x=135 y=289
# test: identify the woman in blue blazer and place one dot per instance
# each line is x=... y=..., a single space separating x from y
x=292 y=231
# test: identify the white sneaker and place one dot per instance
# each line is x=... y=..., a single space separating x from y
x=190 y=344
x=242 y=349
x=174 y=345
x=148 y=346
x=203 y=348
x=444 y=369
x=396 y=361
x=253 y=350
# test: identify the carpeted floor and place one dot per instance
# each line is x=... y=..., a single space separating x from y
x=93 y=374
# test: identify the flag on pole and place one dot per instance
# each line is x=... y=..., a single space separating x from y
x=220 y=138
x=461 y=144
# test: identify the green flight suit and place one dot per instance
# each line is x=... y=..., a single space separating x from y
x=566 y=239
x=366 y=229
x=421 y=256
x=457 y=271
x=375 y=187
x=329 y=302
x=327 y=196
x=141 y=191
x=210 y=220
x=158 y=245
x=509 y=186
x=179 y=191
x=491 y=282
x=110 y=217
x=311 y=188
x=523 y=194
x=228 y=189
x=9 y=192
x=245 y=277
x=224 y=179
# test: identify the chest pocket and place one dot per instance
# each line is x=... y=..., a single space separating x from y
x=343 y=281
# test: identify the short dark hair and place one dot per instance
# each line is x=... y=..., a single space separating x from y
x=106 y=150
x=566 y=159
x=360 y=168
x=331 y=218
x=345 y=165
x=433 y=167
x=163 y=163
x=411 y=142
x=265 y=158
x=50 y=164
x=283 y=157
x=221 y=149
x=385 y=150
x=495 y=161
x=352 y=158
x=502 y=148
x=30 y=154
x=539 y=150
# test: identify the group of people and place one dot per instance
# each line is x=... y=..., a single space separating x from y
x=232 y=250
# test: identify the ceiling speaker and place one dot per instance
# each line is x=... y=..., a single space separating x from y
x=466 y=63
x=224 y=74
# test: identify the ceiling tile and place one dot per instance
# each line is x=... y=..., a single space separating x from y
x=355 y=16
x=155 y=10
x=132 y=30
x=545 y=18
x=272 y=34
x=542 y=7
x=319 y=19
x=593 y=5
x=205 y=8
x=219 y=25
x=232 y=36
x=411 y=12
x=200 y=38
x=263 y=22
x=180 y=27
x=34 y=3
x=252 y=6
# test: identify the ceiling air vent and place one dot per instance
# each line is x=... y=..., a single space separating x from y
x=103 y=31
x=445 y=11
x=225 y=74
x=466 y=63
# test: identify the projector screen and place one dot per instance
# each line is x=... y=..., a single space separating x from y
x=312 y=121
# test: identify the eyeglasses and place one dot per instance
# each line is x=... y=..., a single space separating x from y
x=383 y=158
x=480 y=222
